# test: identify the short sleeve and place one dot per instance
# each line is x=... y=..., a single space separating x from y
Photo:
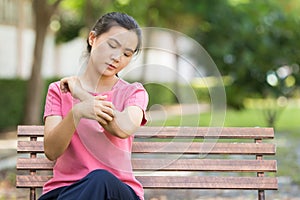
x=53 y=101
x=138 y=96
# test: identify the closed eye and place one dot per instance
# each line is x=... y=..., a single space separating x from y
x=112 y=44
x=128 y=53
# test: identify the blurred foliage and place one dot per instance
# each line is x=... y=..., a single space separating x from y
x=163 y=94
x=153 y=89
x=12 y=102
x=13 y=92
x=248 y=40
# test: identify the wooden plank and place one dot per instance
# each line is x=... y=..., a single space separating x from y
x=178 y=182
x=34 y=163
x=177 y=147
x=192 y=132
x=29 y=131
x=183 y=182
x=28 y=181
x=205 y=132
x=204 y=148
x=30 y=147
x=209 y=165
x=197 y=182
x=149 y=164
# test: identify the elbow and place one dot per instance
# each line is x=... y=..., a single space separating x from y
x=123 y=134
x=49 y=153
x=50 y=156
x=120 y=134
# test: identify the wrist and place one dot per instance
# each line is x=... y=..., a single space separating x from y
x=77 y=114
x=84 y=95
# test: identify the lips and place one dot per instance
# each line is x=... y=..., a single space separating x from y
x=110 y=66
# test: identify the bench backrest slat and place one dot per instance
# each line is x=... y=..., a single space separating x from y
x=30 y=147
x=187 y=132
x=146 y=164
x=31 y=131
x=176 y=147
x=205 y=132
x=204 y=148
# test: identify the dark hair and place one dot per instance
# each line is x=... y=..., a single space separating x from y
x=109 y=20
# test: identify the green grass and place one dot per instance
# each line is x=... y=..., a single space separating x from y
x=288 y=119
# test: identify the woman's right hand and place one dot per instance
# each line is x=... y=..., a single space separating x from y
x=96 y=108
x=91 y=107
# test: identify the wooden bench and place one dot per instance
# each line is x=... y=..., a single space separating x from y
x=189 y=157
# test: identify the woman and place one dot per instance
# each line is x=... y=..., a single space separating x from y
x=90 y=119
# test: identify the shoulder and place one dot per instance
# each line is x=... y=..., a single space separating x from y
x=54 y=89
x=54 y=86
x=124 y=85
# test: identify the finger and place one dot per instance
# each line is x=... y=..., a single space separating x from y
x=104 y=106
x=105 y=116
x=107 y=104
x=109 y=111
x=104 y=112
x=101 y=97
x=99 y=102
x=101 y=121
x=64 y=85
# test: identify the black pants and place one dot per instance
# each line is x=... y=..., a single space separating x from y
x=97 y=185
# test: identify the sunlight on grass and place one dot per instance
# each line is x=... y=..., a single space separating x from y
x=288 y=119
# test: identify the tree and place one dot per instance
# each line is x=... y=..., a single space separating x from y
x=256 y=45
x=43 y=10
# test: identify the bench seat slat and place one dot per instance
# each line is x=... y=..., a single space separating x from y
x=177 y=147
x=178 y=182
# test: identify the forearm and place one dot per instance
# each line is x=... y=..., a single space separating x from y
x=58 y=134
x=125 y=123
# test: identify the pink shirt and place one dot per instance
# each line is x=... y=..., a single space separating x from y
x=91 y=146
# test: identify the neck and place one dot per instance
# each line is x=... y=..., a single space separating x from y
x=98 y=84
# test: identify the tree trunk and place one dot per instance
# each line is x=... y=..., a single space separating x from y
x=33 y=108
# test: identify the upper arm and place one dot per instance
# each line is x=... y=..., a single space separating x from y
x=136 y=103
x=51 y=122
x=135 y=115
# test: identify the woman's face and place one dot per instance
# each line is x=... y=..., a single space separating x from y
x=113 y=50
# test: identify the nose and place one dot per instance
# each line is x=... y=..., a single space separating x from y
x=116 y=56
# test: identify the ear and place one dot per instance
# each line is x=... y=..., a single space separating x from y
x=92 y=36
